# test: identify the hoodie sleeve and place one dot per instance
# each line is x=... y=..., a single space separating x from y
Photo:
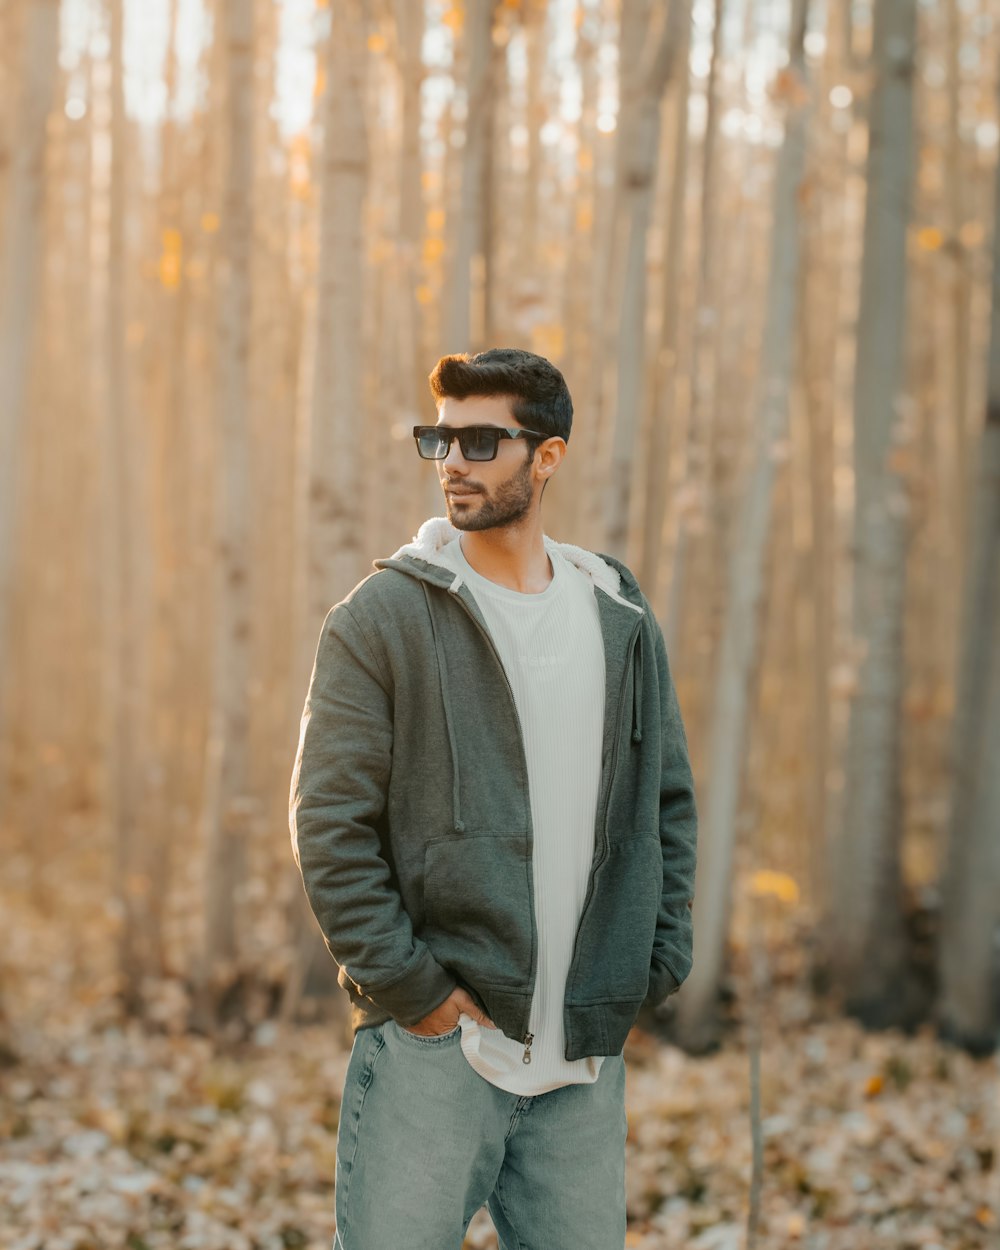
x=338 y=792
x=672 y=944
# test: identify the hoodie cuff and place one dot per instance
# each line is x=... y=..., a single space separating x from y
x=662 y=983
x=416 y=994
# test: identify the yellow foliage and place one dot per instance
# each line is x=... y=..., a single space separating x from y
x=424 y=294
x=170 y=271
x=376 y=42
x=435 y=220
x=433 y=250
x=779 y=884
x=874 y=1085
x=584 y=218
x=210 y=222
x=454 y=19
x=930 y=238
x=319 y=86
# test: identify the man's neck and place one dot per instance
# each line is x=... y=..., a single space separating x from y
x=514 y=556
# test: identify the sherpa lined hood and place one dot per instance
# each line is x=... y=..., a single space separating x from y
x=421 y=558
x=438 y=531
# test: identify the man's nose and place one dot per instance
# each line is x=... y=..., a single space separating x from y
x=455 y=461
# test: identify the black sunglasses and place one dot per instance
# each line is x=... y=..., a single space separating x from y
x=478 y=442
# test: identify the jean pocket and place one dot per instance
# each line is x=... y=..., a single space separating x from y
x=421 y=1040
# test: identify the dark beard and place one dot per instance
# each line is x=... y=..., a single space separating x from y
x=510 y=503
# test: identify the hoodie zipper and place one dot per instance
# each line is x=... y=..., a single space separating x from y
x=528 y=1037
x=607 y=794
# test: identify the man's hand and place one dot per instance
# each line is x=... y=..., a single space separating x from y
x=445 y=1015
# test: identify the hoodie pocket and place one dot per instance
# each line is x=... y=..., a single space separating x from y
x=479 y=907
x=615 y=943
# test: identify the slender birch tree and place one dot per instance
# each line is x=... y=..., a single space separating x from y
x=639 y=180
x=126 y=542
x=738 y=661
x=866 y=934
x=467 y=235
x=226 y=801
x=20 y=274
x=331 y=462
x=967 y=1010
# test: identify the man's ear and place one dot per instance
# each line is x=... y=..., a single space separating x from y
x=549 y=457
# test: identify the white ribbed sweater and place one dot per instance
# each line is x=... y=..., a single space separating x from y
x=551 y=648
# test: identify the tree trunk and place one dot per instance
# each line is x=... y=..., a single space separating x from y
x=605 y=301
x=639 y=179
x=170 y=500
x=967 y=1009
x=696 y=1001
x=867 y=951
x=467 y=232
x=126 y=544
x=662 y=480
x=329 y=471
x=226 y=803
x=695 y=481
x=20 y=276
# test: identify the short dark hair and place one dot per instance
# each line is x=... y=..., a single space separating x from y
x=538 y=394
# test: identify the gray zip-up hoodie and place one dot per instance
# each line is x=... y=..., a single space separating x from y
x=410 y=816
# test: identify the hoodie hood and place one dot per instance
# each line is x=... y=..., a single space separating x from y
x=421 y=558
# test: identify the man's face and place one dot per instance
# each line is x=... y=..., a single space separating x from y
x=485 y=494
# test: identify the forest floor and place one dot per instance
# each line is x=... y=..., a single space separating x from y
x=114 y=1134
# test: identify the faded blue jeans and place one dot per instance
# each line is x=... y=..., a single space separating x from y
x=424 y=1142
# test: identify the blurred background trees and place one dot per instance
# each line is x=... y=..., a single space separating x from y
x=759 y=242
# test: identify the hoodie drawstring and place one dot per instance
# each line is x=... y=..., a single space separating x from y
x=446 y=696
x=637 y=689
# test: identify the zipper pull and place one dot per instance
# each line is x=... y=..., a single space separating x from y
x=528 y=1039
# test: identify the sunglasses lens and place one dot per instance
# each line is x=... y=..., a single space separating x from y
x=478 y=443
x=432 y=446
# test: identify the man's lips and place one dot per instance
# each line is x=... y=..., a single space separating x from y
x=460 y=494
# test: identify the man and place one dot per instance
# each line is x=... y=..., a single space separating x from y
x=493 y=812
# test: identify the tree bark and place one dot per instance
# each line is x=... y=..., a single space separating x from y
x=662 y=477
x=467 y=232
x=697 y=1024
x=20 y=276
x=638 y=182
x=867 y=943
x=227 y=807
x=967 y=1009
x=331 y=464
x=126 y=544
